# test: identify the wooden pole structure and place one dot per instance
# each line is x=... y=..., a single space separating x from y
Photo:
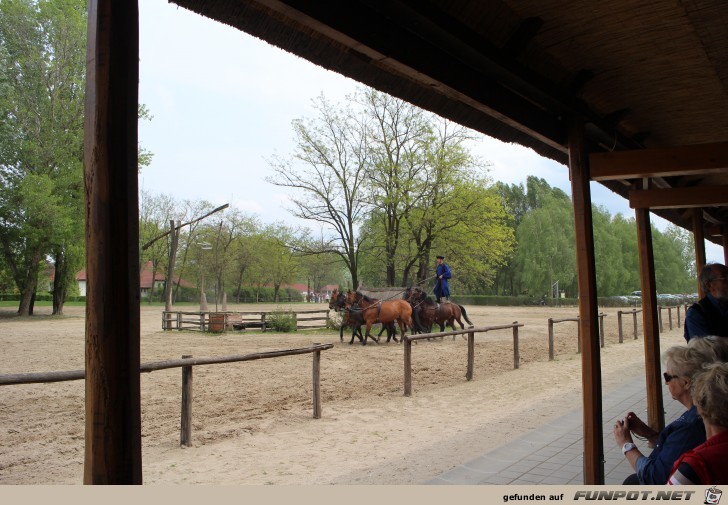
x=113 y=414
x=471 y=356
x=516 y=351
x=699 y=239
x=316 y=373
x=185 y=432
x=169 y=284
x=588 y=319
x=650 y=321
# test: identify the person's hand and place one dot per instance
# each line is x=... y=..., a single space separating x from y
x=621 y=431
x=639 y=427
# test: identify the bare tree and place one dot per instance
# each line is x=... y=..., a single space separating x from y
x=328 y=171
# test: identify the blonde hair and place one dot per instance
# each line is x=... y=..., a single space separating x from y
x=713 y=345
x=686 y=361
x=710 y=393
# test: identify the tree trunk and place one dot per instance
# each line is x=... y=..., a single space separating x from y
x=27 y=291
x=60 y=289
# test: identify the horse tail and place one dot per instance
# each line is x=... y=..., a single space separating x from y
x=465 y=315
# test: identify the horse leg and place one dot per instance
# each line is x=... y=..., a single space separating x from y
x=369 y=335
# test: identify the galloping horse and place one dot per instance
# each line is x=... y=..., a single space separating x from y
x=353 y=318
x=430 y=312
x=385 y=312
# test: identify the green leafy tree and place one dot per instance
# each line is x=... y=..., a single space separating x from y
x=42 y=57
x=546 y=246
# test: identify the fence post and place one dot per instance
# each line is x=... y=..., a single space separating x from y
x=619 y=325
x=516 y=351
x=601 y=329
x=551 y=339
x=677 y=307
x=262 y=321
x=407 y=366
x=669 y=317
x=634 y=320
x=185 y=432
x=471 y=356
x=659 y=317
x=179 y=321
x=317 y=383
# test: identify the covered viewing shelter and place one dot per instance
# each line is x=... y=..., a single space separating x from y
x=630 y=93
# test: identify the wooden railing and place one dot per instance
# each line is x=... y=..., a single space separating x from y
x=553 y=321
x=227 y=321
x=408 y=339
x=186 y=363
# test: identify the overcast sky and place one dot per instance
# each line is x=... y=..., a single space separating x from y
x=222 y=103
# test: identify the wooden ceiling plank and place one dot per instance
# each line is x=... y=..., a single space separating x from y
x=695 y=196
x=660 y=162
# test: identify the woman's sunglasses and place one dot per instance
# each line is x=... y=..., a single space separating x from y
x=669 y=377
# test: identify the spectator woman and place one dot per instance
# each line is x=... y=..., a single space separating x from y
x=707 y=463
x=683 y=434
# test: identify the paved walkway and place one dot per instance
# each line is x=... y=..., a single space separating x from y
x=553 y=453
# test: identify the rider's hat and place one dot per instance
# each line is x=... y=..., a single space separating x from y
x=440 y=257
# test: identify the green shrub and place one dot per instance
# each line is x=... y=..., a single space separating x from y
x=281 y=320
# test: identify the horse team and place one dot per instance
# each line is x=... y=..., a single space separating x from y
x=415 y=310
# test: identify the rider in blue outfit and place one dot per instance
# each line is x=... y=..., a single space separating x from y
x=442 y=274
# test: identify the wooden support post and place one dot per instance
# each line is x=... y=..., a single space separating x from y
x=113 y=449
x=634 y=322
x=669 y=317
x=516 y=351
x=179 y=320
x=407 y=366
x=578 y=338
x=601 y=329
x=588 y=309
x=699 y=241
x=317 y=384
x=679 y=322
x=471 y=356
x=185 y=431
x=551 y=339
x=619 y=326
x=653 y=375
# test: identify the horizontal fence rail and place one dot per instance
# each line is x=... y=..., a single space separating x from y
x=553 y=321
x=408 y=339
x=186 y=363
x=634 y=313
x=225 y=321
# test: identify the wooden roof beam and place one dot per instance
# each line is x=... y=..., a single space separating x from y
x=695 y=196
x=660 y=162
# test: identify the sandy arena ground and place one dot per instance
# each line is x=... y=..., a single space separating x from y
x=253 y=421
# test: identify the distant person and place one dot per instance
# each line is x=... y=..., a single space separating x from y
x=709 y=316
x=442 y=274
x=683 y=434
x=707 y=463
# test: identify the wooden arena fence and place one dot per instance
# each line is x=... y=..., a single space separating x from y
x=669 y=316
x=186 y=363
x=634 y=313
x=553 y=321
x=227 y=321
x=408 y=339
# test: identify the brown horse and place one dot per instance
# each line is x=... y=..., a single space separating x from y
x=353 y=318
x=429 y=312
x=385 y=312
